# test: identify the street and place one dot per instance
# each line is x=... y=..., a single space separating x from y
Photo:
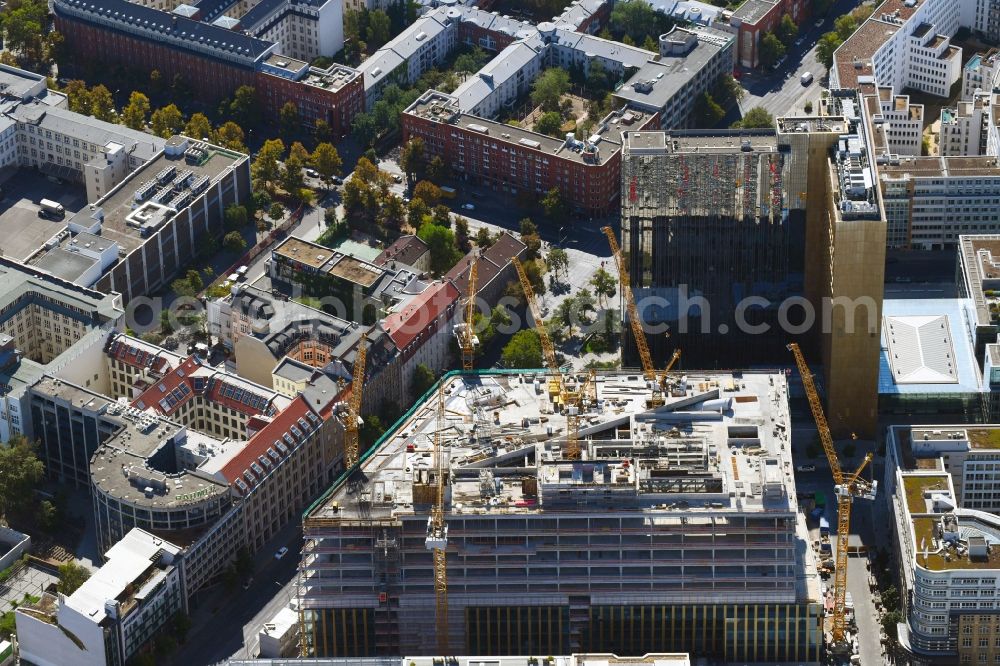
x=226 y=624
x=781 y=92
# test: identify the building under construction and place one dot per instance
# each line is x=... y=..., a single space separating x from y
x=730 y=234
x=706 y=223
x=676 y=529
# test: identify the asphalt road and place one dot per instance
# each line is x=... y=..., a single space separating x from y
x=781 y=93
x=225 y=624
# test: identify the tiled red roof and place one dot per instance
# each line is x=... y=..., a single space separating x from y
x=404 y=326
x=120 y=349
x=171 y=391
x=286 y=430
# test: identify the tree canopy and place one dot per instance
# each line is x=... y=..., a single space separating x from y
x=549 y=88
x=20 y=472
x=757 y=117
x=524 y=350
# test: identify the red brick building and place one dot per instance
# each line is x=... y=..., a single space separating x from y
x=755 y=17
x=334 y=95
x=517 y=161
x=214 y=61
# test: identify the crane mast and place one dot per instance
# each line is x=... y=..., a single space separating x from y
x=467 y=339
x=437 y=535
x=633 y=312
x=847 y=488
x=354 y=405
x=557 y=386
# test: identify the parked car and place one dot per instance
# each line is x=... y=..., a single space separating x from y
x=806 y=468
x=468 y=206
x=312 y=173
x=396 y=177
x=281 y=552
x=337 y=180
x=798 y=42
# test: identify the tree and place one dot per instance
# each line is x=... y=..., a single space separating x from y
x=597 y=76
x=770 y=49
x=366 y=171
x=77 y=96
x=243 y=108
x=428 y=192
x=417 y=213
x=635 y=20
x=549 y=123
x=530 y=237
x=756 y=117
x=549 y=87
x=234 y=241
x=422 y=380
x=845 y=26
x=827 y=44
x=326 y=160
x=24 y=28
x=441 y=243
x=558 y=260
x=889 y=622
x=412 y=159
x=707 y=112
x=364 y=129
x=808 y=107
x=230 y=135
x=135 y=112
x=198 y=127
x=787 y=31
x=441 y=216
x=472 y=61
x=483 y=238
x=236 y=217
x=20 y=472
x=298 y=152
x=604 y=284
x=71 y=577
x=523 y=351
x=288 y=118
x=276 y=211
x=102 y=104
x=462 y=234
x=167 y=121
x=292 y=179
x=379 y=28
x=555 y=206
x=194 y=278
x=322 y=133
x=265 y=168
x=436 y=168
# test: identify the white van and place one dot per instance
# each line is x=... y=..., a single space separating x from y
x=806 y=78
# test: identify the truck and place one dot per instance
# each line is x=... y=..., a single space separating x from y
x=824 y=526
x=449 y=192
x=49 y=208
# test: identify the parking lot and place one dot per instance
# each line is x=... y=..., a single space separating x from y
x=22 y=231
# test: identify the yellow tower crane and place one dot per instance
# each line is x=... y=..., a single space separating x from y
x=633 y=312
x=847 y=488
x=354 y=405
x=467 y=339
x=570 y=399
x=437 y=536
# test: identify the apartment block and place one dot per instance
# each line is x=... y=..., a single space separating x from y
x=514 y=160
x=547 y=555
x=970 y=127
x=978 y=279
x=114 y=614
x=334 y=95
x=981 y=72
x=939 y=483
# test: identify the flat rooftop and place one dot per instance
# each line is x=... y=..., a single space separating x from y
x=606 y=136
x=938 y=167
x=719 y=443
x=979 y=256
x=722 y=141
x=659 y=81
x=121 y=201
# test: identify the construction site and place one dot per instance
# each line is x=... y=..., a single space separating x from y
x=502 y=517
